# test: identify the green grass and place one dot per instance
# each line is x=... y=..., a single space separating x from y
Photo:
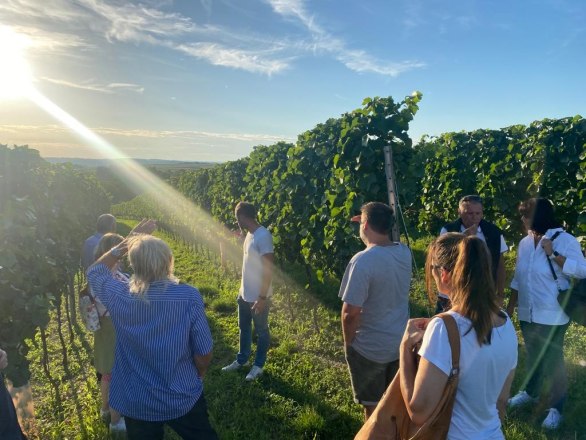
x=305 y=391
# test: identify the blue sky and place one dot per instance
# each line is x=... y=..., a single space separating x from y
x=209 y=79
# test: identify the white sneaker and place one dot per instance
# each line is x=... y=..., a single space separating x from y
x=521 y=398
x=234 y=366
x=553 y=419
x=254 y=373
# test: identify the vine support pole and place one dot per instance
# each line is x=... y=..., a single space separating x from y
x=391 y=188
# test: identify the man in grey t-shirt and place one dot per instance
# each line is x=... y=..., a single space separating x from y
x=375 y=292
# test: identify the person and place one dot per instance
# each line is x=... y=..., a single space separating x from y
x=105 y=340
x=106 y=223
x=163 y=341
x=375 y=309
x=488 y=344
x=255 y=291
x=543 y=322
x=9 y=427
x=471 y=222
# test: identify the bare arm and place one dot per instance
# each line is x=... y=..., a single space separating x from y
x=350 y=322
x=202 y=362
x=267 y=277
x=421 y=387
x=503 y=398
x=501 y=277
x=512 y=302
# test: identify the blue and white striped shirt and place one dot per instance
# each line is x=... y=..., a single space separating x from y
x=154 y=376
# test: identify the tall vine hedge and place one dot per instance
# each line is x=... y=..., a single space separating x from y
x=46 y=211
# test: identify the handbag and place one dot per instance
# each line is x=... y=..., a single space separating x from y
x=390 y=419
x=572 y=300
x=88 y=309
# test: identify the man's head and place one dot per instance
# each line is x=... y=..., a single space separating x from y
x=151 y=259
x=245 y=214
x=376 y=219
x=470 y=210
x=106 y=223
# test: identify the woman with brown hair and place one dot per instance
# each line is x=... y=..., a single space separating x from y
x=460 y=267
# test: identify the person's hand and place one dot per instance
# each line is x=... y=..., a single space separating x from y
x=547 y=246
x=3 y=359
x=259 y=306
x=414 y=331
x=146 y=226
x=472 y=230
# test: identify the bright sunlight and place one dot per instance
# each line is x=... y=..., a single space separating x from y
x=15 y=73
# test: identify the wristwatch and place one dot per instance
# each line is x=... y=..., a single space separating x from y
x=553 y=255
x=116 y=252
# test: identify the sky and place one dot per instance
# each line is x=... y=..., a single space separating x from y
x=206 y=80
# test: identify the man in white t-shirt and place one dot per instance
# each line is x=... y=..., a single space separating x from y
x=255 y=291
x=471 y=222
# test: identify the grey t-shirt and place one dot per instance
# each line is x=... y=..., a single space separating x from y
x=378 y=280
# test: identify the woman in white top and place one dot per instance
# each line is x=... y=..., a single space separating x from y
x=460 y=267
x=542 y=320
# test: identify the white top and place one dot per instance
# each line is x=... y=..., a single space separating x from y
x=480 y=234
x=483 y=371
x=538 y=291
x=256 y=245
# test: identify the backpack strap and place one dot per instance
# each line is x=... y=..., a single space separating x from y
x=555 y=277
x=454 y=338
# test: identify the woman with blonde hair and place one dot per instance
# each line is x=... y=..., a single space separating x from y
x=163 y=341
x=460 y=267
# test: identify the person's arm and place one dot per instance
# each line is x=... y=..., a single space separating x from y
x=501 y=403
x=350 y=322
x=512 y=302
x=501 y=277
x=571 y=259
x=421 y=387
x=202 y=362
x=267 y=277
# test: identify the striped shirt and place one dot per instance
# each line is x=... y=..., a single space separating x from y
x=154 y=376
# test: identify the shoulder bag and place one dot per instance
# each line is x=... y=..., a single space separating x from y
x=390 y=420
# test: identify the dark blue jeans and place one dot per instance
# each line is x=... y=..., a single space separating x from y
x=246 y=316
x=194 y=425
x=546 y=370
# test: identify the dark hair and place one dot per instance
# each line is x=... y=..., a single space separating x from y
x=473 y=289
x=472 y=198
x=540 y=213
x=443 y=251
x=106 y=223
x=246 y=209
x=379 y=216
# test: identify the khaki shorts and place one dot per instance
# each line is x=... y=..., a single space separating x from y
x=369 y=379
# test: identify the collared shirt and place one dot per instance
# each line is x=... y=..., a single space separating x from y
x=88 y=250
x=480 y=234
x=534 y=281
x=157 y=336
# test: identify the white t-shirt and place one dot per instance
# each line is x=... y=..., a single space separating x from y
x=483 y=371
x=256 y=245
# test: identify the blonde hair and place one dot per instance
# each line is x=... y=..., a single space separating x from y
x=107 y=242
x=152 y=260
x=443 y=251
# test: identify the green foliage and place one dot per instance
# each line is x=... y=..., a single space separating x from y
x=305 y=193
x=506 y=166
x=46 y=211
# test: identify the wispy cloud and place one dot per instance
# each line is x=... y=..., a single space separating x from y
x=91 y=85
x=357 y=60
x=252 y=61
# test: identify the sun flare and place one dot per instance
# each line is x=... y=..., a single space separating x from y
x=15 y=72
